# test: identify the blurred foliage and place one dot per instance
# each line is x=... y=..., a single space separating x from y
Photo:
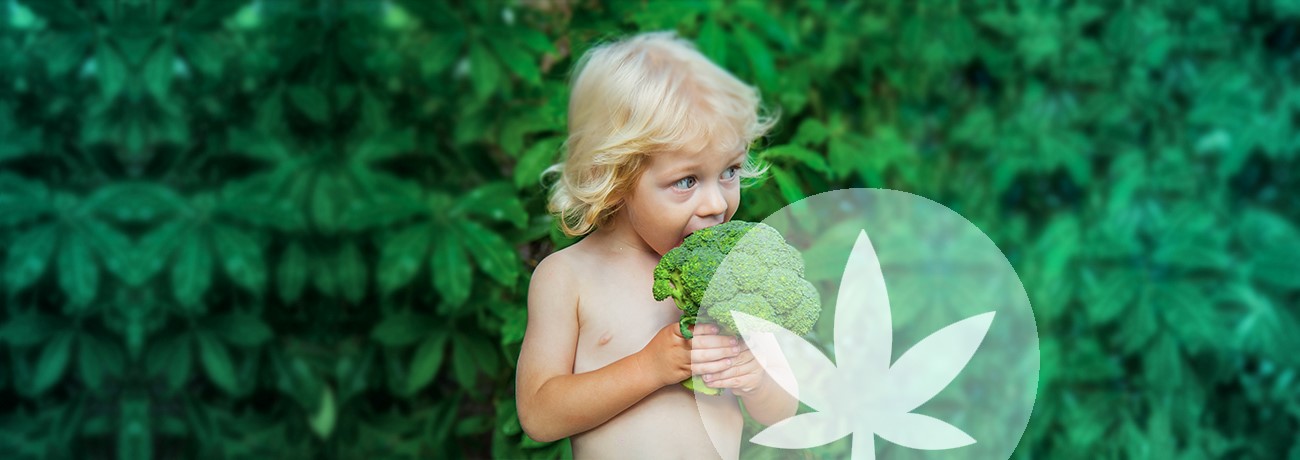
x=304 y=229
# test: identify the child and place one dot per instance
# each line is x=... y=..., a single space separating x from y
x=658 y=143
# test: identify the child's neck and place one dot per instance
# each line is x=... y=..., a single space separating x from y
x=619 y=236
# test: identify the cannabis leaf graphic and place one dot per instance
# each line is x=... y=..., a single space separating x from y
x=862 y=394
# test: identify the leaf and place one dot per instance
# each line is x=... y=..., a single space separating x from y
x=428 y=358
x=216 y=361
x=535 y=160
x=514 y=325
x=1109 y=294
x=28 y=255
x=1274 y=245
x=492 y=253
x=291 y=275
x=485 y=74
x=299 y=380
x=111 y=69
x=352 y=272
x=25 y=330
x=191 y=275
x=864 y=291
x=386 y=146
x=241 y=329
x=713 y=41
x=78 y=272
x=241 y=256
x=53 y=361
x=760 y=58
x=1188 y=312
x=930 y=365
x=497 y=201
x=324 y=275
x=311 y=102
x=203 y=51
x=325 y=210
x=918 y=431
x=1262 y=327
x=452 y=273
x=516 y=59
x=533 y=39
x=323 y=420
x=21 y=200
x=1163 y=365
x=157 y=70
x=402 y=329
x=799 y=155
x=171 y=359
x=98 y=358
x=61 y=13
x=794 y=432
x=463 y=365
x=439 y=53
x=62 y=52
x=812 y=132
x=787 y=185
x=133 y=263
x=403 y=255
x=1139 y=326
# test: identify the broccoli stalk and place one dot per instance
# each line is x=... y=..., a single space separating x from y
x=736 y=266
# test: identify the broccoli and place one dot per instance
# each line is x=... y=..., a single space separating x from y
x=762 y=276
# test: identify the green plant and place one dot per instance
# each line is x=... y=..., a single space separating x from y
x=736 y=266
x=274 y=229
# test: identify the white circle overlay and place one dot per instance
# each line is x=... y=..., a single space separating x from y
x=926 y=346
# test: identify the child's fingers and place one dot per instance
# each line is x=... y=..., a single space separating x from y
x=711 y=367
x=740 y=365
x=736 y=380
x=714 y=341
x=704 y=329
x=704 y=355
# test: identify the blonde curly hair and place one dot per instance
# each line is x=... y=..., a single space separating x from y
x=631 y=98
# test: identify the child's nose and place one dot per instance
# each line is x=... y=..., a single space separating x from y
x=714 y=203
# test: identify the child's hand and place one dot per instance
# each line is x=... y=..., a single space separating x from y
x=668 y=355
x=737 y=370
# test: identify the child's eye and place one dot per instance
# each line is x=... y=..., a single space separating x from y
x=731 y=172
x=685 y=183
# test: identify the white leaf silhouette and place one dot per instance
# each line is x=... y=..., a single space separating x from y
x=861 y=394
x=921 y=432
x=793 y=432
x=929 y=366
x=771 y=349
x=863 y=292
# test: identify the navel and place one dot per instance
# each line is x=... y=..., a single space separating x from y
x=604 y=339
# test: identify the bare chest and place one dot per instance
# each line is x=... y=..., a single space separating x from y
x=618 y=315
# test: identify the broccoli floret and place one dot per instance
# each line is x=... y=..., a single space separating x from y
x=737 y=266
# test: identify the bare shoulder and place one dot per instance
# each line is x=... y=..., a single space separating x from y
x=557 y=280
x=567 y=262
x=571 y=261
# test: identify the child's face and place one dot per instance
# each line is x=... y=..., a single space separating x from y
x=679 y=193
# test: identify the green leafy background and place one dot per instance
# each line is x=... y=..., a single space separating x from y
x=304 y=229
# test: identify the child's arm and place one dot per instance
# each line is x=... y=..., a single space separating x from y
x=555 y=403
x=767 y=402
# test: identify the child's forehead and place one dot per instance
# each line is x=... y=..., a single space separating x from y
x=685 y=159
